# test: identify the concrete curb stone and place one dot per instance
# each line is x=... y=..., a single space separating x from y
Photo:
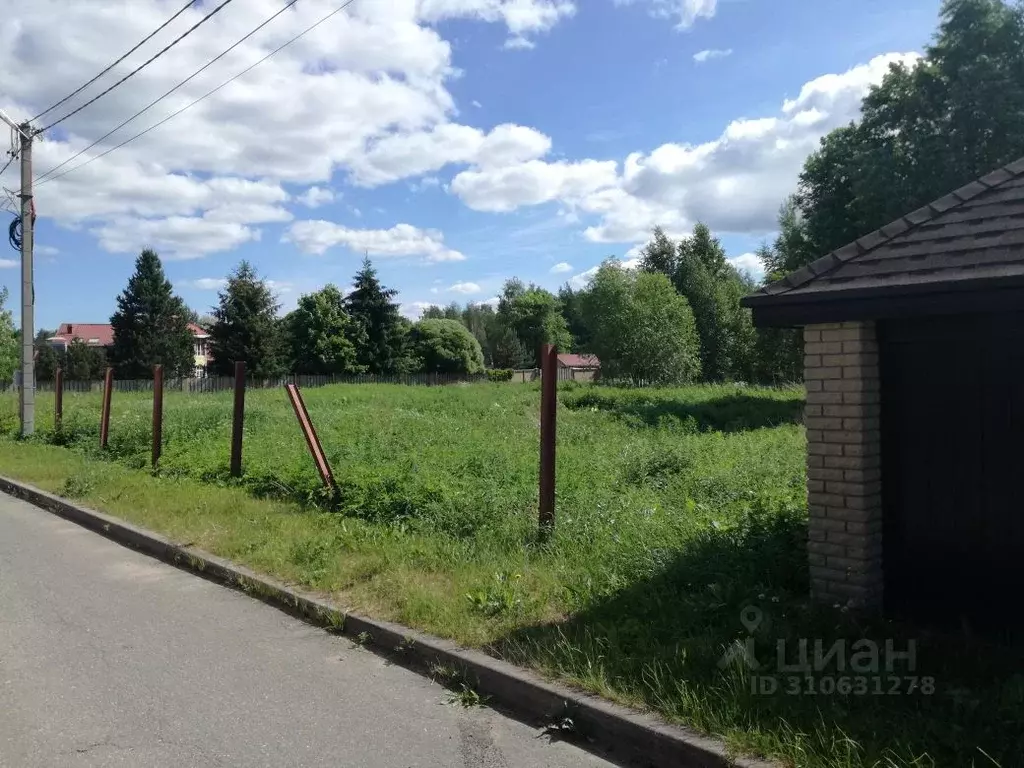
x=638 y=737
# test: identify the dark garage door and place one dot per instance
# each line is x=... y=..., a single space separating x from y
x=953 y=468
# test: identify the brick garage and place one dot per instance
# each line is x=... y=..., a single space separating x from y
x=914 y=369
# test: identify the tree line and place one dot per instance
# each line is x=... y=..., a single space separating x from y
x=676 y=318
x=329 y=332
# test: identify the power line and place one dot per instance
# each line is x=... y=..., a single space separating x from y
x=138 y=69
x=8 y=163
x=142 y=42
x=165 y=95
x=206 y=95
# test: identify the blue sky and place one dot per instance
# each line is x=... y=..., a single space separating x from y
x=600 y=83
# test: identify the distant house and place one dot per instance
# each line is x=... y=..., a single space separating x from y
x=200 y=349
x=102 y=335
x=92 y=334
x=579 y=362
x=579 y=367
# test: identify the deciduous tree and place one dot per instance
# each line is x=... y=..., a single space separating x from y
x=644 y=330
x=10 y=344
x=927 y=128
x=85 y=363
x=47 y=362
x=532 y=313
x=319 y=334
x=570 y=301
x=445 y=346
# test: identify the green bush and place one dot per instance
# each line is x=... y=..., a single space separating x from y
x=445 y=346
x=499 y=374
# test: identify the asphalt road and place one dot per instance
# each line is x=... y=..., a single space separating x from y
x=109 y=658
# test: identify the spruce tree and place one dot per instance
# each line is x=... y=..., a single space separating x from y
x=246 y=327
x=150 y=325
x=509 y=352
x=379 y=329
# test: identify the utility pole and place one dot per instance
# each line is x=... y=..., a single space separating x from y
x=27 y=399
x=28 y=370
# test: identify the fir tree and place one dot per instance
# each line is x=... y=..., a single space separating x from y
x=378 y=327
x=509 y=351
x=150 y=325
x=246 y=327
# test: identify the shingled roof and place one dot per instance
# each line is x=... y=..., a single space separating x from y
x=973 y=238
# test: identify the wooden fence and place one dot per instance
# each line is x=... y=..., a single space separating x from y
x=226 y=383
x=239 y=383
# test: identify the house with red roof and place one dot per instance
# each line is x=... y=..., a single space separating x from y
x=579 y=362
x=102 y=335
x=579 y=367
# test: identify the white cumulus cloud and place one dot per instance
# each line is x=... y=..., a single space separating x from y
x=415 y=309
x=174 y=237
x=522 y=17
x=465 y=288
x=735 y=183
x=204 y=283
x=561 y=268
x=315 y=196
x=318 y=109
x=318 y=236
x=399 y=156
x=749 y=263
x=685 y=12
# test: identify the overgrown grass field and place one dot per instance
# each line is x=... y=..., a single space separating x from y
x=676 y=510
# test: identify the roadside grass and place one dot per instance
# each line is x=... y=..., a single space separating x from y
x=677 y=510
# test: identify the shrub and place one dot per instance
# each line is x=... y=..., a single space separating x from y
x=446 y=346
x=499 y=374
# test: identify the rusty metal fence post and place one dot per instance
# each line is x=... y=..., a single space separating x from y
x=58 y=399
x=548 y=412
x=312 y=440
x=237 y=420
x=158 y=412
x=108 y=386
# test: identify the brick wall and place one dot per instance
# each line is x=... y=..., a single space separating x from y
x=843 y=463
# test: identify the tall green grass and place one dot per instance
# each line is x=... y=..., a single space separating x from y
x=676 y=510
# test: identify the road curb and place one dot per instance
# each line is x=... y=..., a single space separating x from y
x=623 y=732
